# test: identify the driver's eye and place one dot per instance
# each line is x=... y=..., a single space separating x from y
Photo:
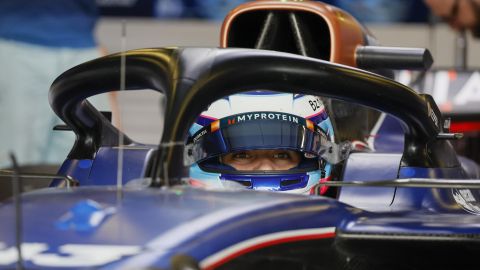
x=282 y=155
x=242 y=155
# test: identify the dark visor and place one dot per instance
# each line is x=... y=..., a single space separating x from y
x=257 y=130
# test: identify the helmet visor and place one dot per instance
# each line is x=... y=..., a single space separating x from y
x=260 y=130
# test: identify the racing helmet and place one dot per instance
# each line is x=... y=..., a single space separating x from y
x=264 y=120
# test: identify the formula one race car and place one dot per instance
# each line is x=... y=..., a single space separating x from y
x=148 y=227
x=410 y=203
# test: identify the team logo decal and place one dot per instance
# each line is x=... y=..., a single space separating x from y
x=467 y=200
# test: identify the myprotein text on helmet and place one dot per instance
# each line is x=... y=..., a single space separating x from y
x=263 y=116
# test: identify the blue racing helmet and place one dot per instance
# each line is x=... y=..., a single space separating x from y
x=264 y=120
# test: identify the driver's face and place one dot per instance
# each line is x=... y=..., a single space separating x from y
x=262 y=160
